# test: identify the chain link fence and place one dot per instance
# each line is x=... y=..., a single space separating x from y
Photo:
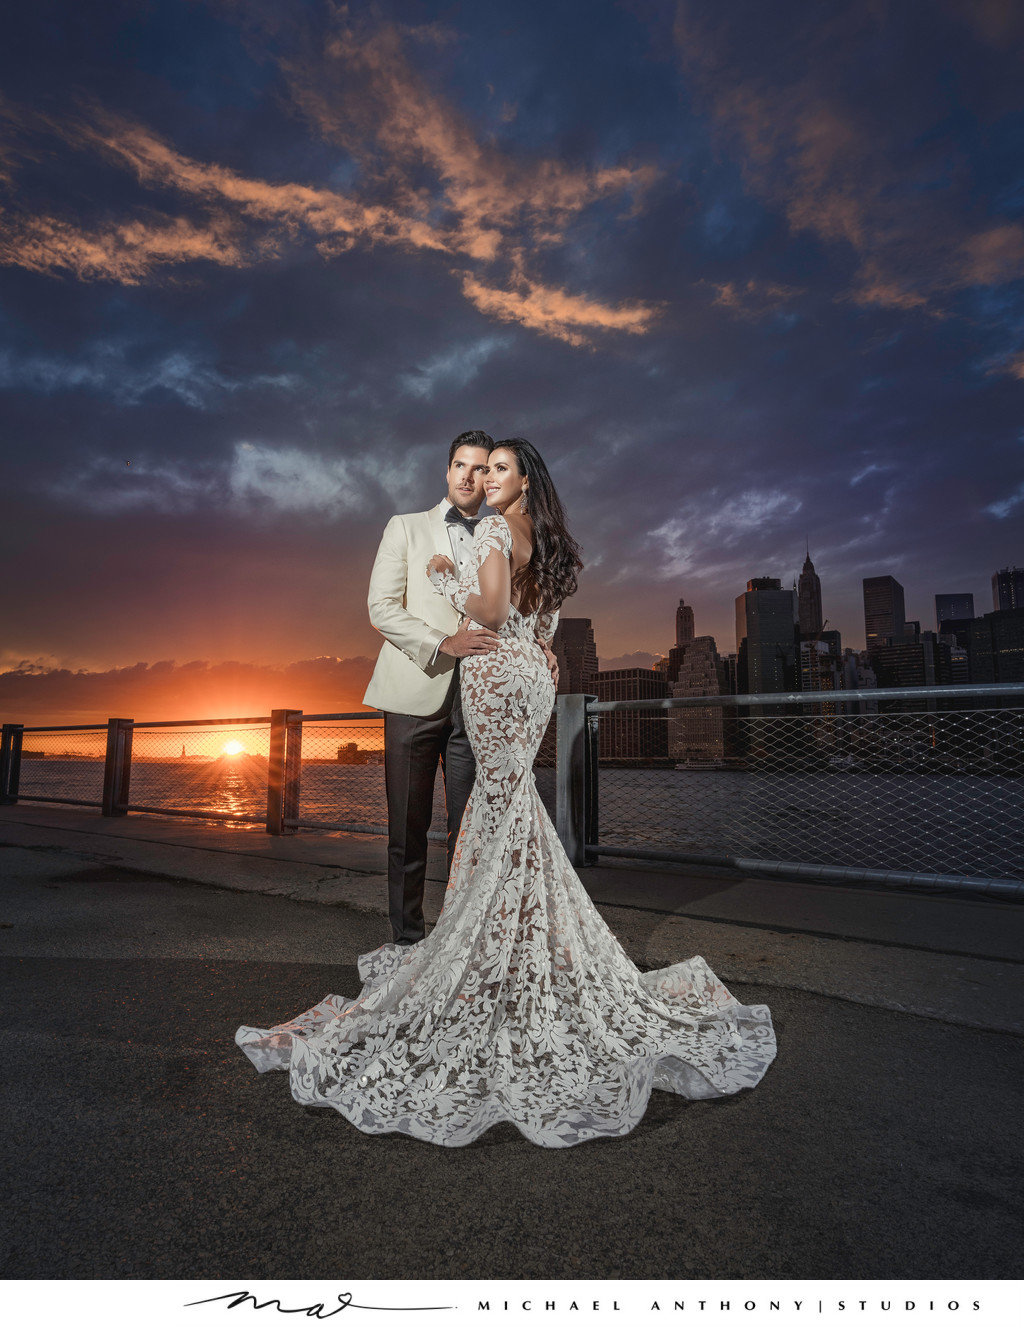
x=64 y=765
x=922 y=784
x=913 y=790
x=342 y=777
x=221 y=770
x=217 y=771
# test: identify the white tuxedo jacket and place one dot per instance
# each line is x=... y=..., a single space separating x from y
x=412 y=616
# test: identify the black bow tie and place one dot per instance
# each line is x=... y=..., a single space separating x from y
x=453 y=515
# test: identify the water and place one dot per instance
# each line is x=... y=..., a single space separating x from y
x=927 y=823
x=937 y=823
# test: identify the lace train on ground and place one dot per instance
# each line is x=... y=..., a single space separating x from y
x=520 y=1006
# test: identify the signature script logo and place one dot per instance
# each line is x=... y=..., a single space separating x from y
x=318 y=1310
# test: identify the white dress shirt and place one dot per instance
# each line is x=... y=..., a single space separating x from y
x=462 y=543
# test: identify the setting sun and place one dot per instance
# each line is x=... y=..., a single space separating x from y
x=233 y=748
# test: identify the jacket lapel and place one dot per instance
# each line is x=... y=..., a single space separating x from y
x=438 y=529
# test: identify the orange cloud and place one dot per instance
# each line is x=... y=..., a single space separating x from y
x=379 y=101
x=324 y=212
x=475 y=202
x=995 y=255
x=1013 y=366
x=556 y=313
x=879 y=287
x=125 y=252
x=755 y=300
x=47 y=695
x=836 y=171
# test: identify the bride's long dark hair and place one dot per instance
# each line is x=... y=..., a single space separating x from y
x=550 y=576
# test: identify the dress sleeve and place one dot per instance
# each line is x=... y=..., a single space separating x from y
x=485 y=589
x=546 y=625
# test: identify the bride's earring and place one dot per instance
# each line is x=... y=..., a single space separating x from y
x=522 y=503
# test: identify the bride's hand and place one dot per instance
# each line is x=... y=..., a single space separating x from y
x=440 y=564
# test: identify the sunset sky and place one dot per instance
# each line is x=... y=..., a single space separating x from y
x=749 y=275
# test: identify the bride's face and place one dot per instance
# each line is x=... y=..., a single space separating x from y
x=503 y=484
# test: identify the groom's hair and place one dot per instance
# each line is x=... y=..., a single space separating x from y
x=473 y=438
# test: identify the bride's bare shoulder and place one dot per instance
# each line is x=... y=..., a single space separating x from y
x=520 y=525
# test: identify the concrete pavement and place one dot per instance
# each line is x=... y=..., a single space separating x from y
x=883 y=1143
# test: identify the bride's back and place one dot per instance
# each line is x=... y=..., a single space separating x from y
x=524 y=587
x=545 y=558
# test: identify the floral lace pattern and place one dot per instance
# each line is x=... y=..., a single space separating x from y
x=520 y=1006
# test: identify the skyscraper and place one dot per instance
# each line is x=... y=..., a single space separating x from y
x=697 y=734
x=885 y=613
x=959 y=605
x=766 y=637
x=576 y=653
x=809 y=598
x=997 y=647
x=684 y=624
x=632 y=736
x=1008 y=589
x=923 y=664
x=674 y=661
x=821 y=666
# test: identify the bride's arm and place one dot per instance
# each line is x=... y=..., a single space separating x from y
x=485 y=591
x=490 y=606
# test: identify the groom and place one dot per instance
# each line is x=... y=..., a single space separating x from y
x=416 y=679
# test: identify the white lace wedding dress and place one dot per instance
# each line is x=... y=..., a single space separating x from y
x=520 y=1006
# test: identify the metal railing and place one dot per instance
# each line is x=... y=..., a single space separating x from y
x=287 y=771
x=897 y=787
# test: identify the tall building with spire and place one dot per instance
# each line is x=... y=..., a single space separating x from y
x=809 y=601
x=684 y=624
x=671 y=664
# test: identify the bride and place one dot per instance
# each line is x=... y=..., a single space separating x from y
x=520 y=1006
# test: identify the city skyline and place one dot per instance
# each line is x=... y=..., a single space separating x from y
x=259 y=265
x=204 y=689
x=857 y=640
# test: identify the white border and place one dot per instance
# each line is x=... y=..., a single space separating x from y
x=502 y=1304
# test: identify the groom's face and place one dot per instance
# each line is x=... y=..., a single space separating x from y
x=466 y=477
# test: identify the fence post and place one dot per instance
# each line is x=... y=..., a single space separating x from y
x=592 y=805
x=283 y=769
x=292 y=772
x=10 y=763
x=571 y=775
x=275 y=772
x=117 y=769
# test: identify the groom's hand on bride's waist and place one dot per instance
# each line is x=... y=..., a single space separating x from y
x=552 y=661
x=469 y=642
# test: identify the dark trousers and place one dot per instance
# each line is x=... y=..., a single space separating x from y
x=412 y=746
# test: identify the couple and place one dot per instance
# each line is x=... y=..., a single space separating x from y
x=520 y=1006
